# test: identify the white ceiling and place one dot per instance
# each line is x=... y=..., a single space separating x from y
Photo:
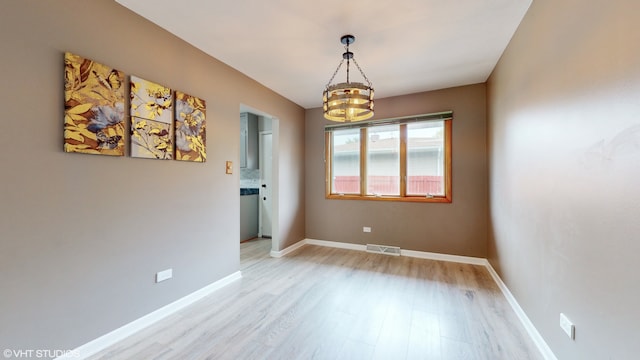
x=293 y=46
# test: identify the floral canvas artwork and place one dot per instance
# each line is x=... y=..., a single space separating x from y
x=150 y=100
x=190 y=128
x=151 y=139
x=94 y=107
x=151 y=119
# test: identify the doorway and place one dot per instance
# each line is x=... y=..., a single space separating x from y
x=258 y=175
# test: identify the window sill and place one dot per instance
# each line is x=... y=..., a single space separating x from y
x=420 y=199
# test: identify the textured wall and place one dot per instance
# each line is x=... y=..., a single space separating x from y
x=564 y=126
x=79 y=247
x=458 y=228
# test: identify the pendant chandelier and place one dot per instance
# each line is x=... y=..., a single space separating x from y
x=348 y=101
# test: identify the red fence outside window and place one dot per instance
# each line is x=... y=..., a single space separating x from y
x=417 y=185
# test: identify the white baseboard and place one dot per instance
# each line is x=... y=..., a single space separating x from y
x=101 y=343
x=409 y=253
x=304 y=242
x=528 y=325
x=443 y=257
x=285 y=251
x=524 y=319
x=335 y=244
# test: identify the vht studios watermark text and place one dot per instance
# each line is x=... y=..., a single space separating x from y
x=38 y=353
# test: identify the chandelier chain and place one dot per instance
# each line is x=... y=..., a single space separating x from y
x=349 y=56
x=362 y=72
x=335 y=73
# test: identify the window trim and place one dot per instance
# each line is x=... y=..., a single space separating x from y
x=447 y=117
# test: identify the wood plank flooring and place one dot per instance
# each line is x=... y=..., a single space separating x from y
x=327 y=303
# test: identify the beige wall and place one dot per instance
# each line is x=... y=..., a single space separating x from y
x=458 y=228
x=564 y=145
x=81 y=235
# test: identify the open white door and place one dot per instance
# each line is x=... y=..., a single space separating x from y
x=266 y=165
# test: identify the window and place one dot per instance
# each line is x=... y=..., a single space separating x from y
x=404 y=159
x=346 y=166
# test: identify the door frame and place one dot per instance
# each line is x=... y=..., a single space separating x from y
x=260 y=211
x=275 y=189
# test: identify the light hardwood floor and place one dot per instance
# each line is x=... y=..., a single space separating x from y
x=327 y=303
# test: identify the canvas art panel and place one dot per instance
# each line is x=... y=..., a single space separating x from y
x=190 y=128
x=151 y=120
x=94 y=107
x=151 y=139
x=150 y=100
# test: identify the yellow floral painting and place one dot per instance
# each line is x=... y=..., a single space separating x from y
x=94 y=107
x=150 y=100
x=151 y=119
x=190 y=128
x=151 y=139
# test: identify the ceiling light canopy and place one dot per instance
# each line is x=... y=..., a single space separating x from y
x=348 y=101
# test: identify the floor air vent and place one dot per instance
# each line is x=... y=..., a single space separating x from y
x=383 y=249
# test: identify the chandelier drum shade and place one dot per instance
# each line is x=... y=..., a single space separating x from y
x=348 y=101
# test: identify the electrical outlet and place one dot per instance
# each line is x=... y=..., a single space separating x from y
x=164 y=275
x=366 y=229
x=568 y=327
